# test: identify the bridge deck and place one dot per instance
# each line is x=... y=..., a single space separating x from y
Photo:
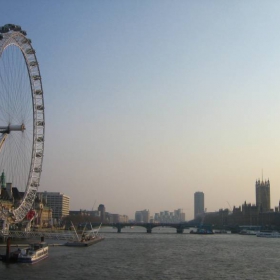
x=38 y=234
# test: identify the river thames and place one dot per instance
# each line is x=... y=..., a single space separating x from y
x=164 y=254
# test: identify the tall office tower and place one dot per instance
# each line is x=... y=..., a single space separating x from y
x=58 y=202
x=263 y=195
x=198 y=203
x=102 y=210
x=138 y=217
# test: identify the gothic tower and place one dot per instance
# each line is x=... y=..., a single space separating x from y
x=3 y=180
x=263 y=195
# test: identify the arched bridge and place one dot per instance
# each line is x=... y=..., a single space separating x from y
x=149 y=226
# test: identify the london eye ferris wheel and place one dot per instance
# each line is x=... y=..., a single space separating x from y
x=22 y=121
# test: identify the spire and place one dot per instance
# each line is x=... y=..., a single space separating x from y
x=3 y=180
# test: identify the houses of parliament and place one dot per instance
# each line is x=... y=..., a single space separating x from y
x=258 y=214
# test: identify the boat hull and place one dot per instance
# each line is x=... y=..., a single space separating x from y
x=14 y=258
x=30 y=260
x=248 y=232
x=84 y=243
x=269 y=234
x=202 y=231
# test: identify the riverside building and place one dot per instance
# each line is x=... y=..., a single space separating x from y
x=102 y=210
x=198 y=203
x=170 y=217
x=263 y=195
x=142 y=216
x=58 y=202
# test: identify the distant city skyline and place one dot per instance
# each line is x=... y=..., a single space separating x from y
x=147 y=102
x=262 y=201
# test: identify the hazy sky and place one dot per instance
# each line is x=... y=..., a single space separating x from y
x=148 y=102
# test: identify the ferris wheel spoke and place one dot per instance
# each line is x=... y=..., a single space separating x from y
x=2 y=117
x=4 y=92
x=19 y=158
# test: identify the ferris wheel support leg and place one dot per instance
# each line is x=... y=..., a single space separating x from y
x=2 y=140
x=4 y=228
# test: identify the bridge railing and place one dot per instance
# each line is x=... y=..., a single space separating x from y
x=37 y=234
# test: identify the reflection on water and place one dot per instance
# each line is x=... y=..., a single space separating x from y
x=164 y=254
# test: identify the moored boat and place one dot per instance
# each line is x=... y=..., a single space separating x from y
x=248 y=232
x=268 y=234
x=220 y=231
x=86 y=239
x=202 y=231
x=84 y=243
x=34 y=253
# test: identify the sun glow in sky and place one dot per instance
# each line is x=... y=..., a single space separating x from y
x=148 y=102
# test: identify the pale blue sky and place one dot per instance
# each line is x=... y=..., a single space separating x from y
x=150 y=101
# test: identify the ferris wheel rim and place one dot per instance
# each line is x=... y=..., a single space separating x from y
x=20 y=41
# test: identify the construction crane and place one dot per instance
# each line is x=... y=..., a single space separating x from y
x=203 y=217
x=230 y=208
x=93 y=205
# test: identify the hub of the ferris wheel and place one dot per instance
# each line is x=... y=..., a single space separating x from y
x=5 y=130
x=9 y=128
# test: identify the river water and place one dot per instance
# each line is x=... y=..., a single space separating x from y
x=164 y=254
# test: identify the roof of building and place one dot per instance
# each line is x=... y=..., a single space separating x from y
x=17 y=194
x=5 y=195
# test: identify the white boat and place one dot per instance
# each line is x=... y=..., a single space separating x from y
x=248 y=232
x=269 y=234
x=34 y=253
x=31 y=254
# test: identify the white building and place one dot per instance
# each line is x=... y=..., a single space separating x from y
x=58 y=202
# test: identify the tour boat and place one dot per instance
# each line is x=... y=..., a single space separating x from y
x=269 y=234
x=32 y=254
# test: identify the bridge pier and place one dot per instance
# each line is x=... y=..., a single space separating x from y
x=119 y=227
x=149 y=230
x=180 y=230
